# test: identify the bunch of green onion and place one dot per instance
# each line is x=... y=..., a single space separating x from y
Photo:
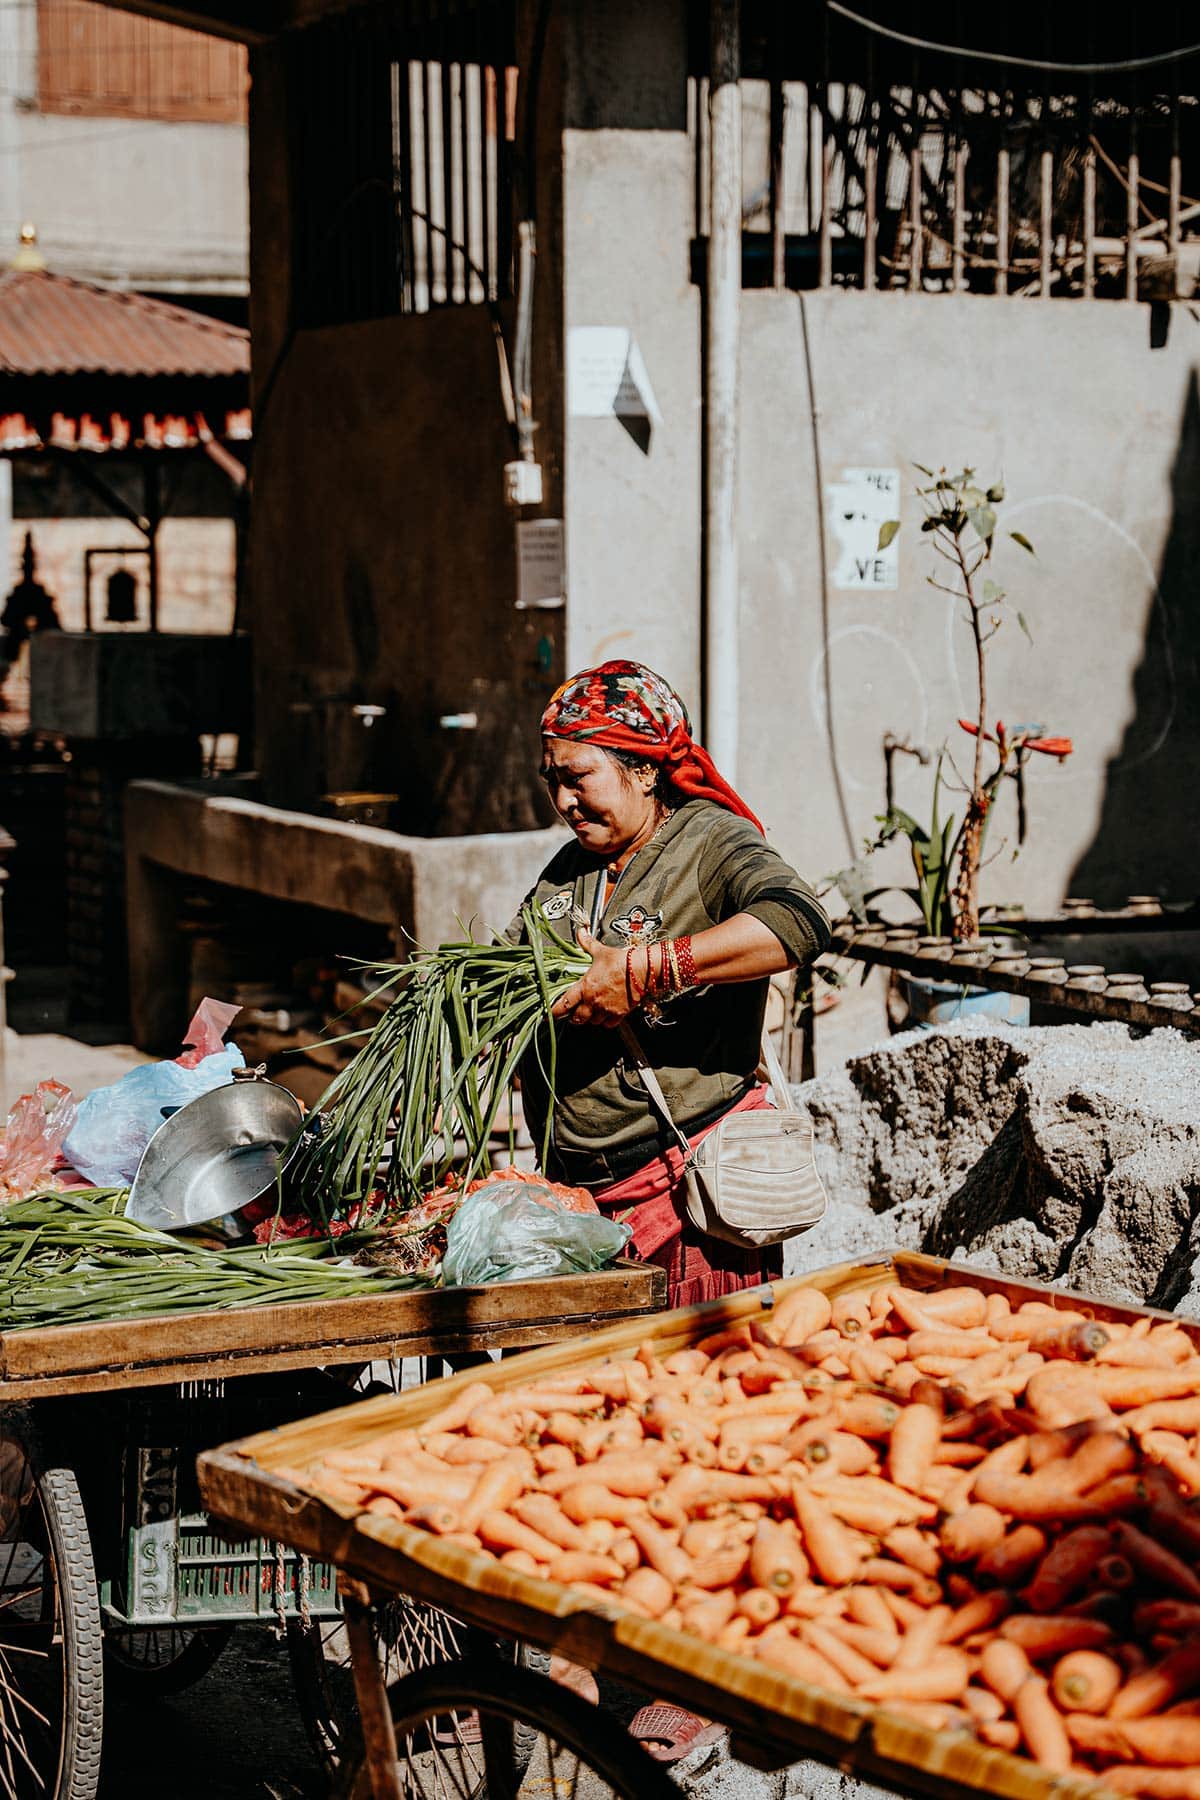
x=70 y=1257
x=433 y=1073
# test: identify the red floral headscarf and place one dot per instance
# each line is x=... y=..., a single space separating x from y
x=626 y=706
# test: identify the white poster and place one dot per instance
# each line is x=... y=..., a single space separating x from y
x=607 y=375
x=859 y=503
x=540 y=565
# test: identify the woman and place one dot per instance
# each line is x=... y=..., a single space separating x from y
x=685 y=911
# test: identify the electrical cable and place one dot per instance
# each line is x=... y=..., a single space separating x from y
x=1012 y=62
x=827 y=664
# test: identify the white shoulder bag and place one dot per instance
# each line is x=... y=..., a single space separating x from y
x=753 y=1180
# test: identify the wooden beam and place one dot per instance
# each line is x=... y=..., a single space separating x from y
x=245 y=21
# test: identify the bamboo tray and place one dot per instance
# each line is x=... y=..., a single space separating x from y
x=773 y=1717
x=259 y=1340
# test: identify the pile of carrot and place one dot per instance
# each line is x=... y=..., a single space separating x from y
x=981 y=1517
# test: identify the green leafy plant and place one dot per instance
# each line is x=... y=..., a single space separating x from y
x=962 y=521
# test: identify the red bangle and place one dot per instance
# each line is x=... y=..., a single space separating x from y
x=687 y=962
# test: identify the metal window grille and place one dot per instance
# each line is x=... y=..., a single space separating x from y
x=403 y=135
x=868 y=164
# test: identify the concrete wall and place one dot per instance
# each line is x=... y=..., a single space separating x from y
x=1095 y=432
x=421 y=890
x=138 y=203
x=633 y=542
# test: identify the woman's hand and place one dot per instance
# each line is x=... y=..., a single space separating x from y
x=600 y=996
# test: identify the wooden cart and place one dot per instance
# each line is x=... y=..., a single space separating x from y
x=774 y=1720
x=109 y=1569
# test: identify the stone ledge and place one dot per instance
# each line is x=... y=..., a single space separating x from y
x=423 y=890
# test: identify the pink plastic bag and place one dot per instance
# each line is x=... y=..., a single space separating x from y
x=32 y=1140
x=205 y=1036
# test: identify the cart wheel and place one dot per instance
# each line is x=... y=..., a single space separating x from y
x=152 y=1660
x=409 y=1636
x=51 y=1661
x=457 y=1724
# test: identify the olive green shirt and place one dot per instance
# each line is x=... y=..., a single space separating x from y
x=705 y=865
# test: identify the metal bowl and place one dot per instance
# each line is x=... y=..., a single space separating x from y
x=215 y=1155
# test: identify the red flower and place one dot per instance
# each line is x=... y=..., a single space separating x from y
x=970 y=725
x=1051 y=746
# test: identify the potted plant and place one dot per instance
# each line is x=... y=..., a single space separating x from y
x=961 y=521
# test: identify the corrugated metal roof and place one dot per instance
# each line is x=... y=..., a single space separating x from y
x=53 y=325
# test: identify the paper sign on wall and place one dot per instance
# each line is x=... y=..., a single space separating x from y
x=540 y=565
x=607 y=375
x=859 y=503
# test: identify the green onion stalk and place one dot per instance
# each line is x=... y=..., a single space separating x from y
x=71 y=1257
x=430 y=1078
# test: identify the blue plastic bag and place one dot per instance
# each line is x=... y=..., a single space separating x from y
x=116 y=1123
x=512 y=1230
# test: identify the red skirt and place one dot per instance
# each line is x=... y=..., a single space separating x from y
x=653 y=1201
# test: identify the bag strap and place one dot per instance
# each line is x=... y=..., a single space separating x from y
x=651 y=1084
x=778 y=1081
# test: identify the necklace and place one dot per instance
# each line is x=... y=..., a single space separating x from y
x=614 y=872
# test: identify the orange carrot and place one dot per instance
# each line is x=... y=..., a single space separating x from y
x=777 y=1561
x=649 y=1590
x=1163 y=1740
x=800 y=1315
x=964 y=1307
x=456 y=1413
x=1041 y=1724
x=922 y=1639
x=848 y=1662
x=1155 y=1784
x=983 y=1705
x=868 y=1415
x=1061 y=1393
x=913 y=1445
x=1155 y=1688
x=500 y=1531
x=1014 y=1556
x=722 y=1569
x=1140 y=1387
x=964 y=1536
x=661 y=1551
x=1085 y=1681
x=1001 y=1734
x=496 y=1489
x=757 y=1605
x=1156 y=1561
x=868 y=1607
x=943 y=1676
x=780 y=1650
x=1048 y=1634
x=851 y=1314
x=1171 y=1415
x=1004 y=1666
x=833 y=1551
x=708 y=1614
x=585 y=1500
x=879 y=1646
x=898 y=1577
x=978 y=1614
x=916 y=1548
x=1077 y=1343
x=584 y=1565
x=435 y=1517
x=1167 y=1615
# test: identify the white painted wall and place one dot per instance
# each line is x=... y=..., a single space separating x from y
x=137 y=203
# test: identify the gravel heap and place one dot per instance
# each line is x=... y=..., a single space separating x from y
x=1068 y=1154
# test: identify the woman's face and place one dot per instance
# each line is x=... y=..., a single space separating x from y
x=606 y=805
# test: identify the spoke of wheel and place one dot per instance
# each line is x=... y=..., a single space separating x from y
x=15 y=1598
x=19 y=1699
